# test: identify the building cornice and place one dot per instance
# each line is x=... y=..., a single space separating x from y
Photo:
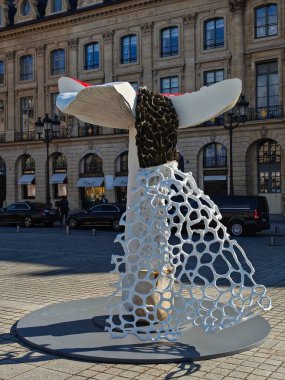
x=74 y=17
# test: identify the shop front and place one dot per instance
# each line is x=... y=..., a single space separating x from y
x=27 y=179
x=58 y=179
x=91 y=190
x=91 y=180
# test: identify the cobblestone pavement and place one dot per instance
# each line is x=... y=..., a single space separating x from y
x=41 y=266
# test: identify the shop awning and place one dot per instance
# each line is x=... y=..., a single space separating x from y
x=90 y=182
x=58 y=178
x=120 y=181
x=26 y=179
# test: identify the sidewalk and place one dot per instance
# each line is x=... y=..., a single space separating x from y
x=42 y=266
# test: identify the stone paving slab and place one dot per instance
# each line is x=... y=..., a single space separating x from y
x=42 y=266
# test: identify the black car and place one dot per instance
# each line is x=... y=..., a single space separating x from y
x=243 y=214
x=28 y=213
x=107 y=214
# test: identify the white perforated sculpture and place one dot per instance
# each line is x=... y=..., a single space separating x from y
x=180 y=267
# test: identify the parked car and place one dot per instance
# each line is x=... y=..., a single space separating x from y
x=243 y=214
x=240 y=214
x=28 y=213
x=107 y=214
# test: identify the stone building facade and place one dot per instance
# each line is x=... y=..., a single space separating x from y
x=165 y=45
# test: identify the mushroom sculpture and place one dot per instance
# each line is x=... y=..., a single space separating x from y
x=180 y=266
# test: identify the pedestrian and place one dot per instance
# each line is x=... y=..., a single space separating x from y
x=104 y=199
x=63 y=209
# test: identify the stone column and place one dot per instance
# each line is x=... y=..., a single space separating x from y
x=236 y=38
x=41 y=77
x=73 y=57
x=11 y=113
x=108 y=56
x=190 y=52
x=146 y=54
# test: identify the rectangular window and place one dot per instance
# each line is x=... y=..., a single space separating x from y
x=263 y=182
x=57 y=62
x=169 y=42
x=213 y=76
x=267 y=88
x=1 y=72
x=129 y=49
x=214 y=33
x=91 y=56
x=266 y=21
x=169 y=85
x=26 y=114
x=27 y=68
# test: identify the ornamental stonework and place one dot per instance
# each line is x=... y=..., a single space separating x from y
x=147 y=28
x=108 y=36
x=190 y=19
x=237 y=5
x=73 y=43
x=10 y=55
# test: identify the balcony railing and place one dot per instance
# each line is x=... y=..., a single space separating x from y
x=25 y=136
x=265 y=113
x=253 y=114
x=89 y=130
x=2 y=137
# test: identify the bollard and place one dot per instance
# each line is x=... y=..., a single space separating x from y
x=277 y=229
x=67 y=230
x=272 y=240
x=18 y=229
x=94 y=232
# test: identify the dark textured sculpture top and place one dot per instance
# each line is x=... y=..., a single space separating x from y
x=156 y=123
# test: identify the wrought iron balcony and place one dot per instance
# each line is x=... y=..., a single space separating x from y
x=89 y=130
x=25 y=136
x=265 y=113
x=2 y=137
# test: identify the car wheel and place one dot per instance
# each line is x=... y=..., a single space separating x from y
x=27 y=221
x=72 y=223
x=236 y=229
x=116 y=225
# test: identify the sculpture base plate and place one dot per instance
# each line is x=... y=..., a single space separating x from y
x=68 y=330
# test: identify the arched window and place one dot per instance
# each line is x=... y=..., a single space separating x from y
x=124 y=162
x=26 y=67
x=169 y=41
x=91 y=56
x=214 y=33
x=28 y=164
x=56 y=6
x=93 y=164
x=269 y=167
x=57 y=66
x=129 y=49
x=214 y=156
x=266 y=21
x=59 y=163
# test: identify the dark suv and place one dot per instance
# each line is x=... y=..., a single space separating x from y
x=243 y=214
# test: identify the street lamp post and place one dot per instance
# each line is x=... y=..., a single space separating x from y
x=47 y=129
x=235 y=116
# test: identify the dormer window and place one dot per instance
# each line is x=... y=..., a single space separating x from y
x=56 y=6
x=25 y=7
